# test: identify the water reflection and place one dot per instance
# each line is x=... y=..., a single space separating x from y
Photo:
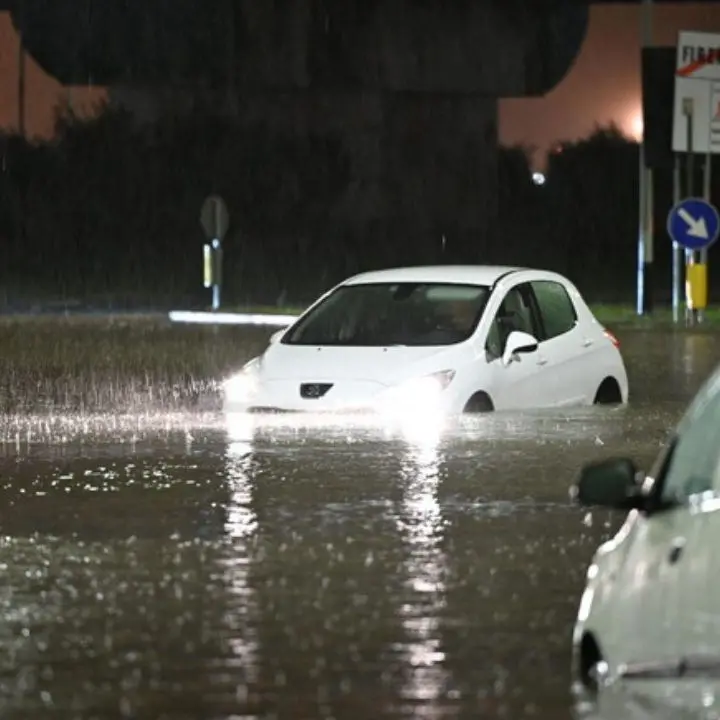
x=424 y=434
x=240 y=528
x=421 y=527
x=653 y=358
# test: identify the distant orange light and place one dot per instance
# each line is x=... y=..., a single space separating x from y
x=635 y=126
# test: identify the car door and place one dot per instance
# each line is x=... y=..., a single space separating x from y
x=670 y=605
x=562 y=343
x=521 y=383
x=696 y=609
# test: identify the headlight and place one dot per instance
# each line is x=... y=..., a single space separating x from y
x=416 y=395
x=240 y=387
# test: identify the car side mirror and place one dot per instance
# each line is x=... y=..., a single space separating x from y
x=614 y=483
x=518 y=343
x=275 y=337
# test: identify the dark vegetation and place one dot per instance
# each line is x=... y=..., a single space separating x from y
x=108 y=213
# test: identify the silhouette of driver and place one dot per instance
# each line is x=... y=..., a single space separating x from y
x=459 y=315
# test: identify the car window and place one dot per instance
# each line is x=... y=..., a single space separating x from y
x=400 y=313
x=514 y=313
x=695 y=454
x=556 y=308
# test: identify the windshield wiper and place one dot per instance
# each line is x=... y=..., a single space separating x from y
x=692 y=666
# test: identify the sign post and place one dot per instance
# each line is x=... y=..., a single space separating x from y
x=688 y=111
x=645 y=196
x=676 y=249
x=696 y=129
x=694 y=223
x=215 y=220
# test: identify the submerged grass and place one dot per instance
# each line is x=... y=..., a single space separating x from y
x=625 y=316
x=116 y=364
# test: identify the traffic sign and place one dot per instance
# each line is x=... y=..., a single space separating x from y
x=697 y=91
x=214 y=218
x=694 y=223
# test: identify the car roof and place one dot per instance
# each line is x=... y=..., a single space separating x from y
x=465 y=274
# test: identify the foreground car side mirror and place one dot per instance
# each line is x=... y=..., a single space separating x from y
x=518 y=343
x=615 y=483
x=275 y=337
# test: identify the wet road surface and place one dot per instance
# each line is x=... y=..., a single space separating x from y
x=191 y=566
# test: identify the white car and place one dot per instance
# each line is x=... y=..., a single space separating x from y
x=446 y=339
x=648 y=625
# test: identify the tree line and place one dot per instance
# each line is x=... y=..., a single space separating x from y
x=107 y=213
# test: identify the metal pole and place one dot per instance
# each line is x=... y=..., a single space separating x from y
x=641 y=239
x=645 y=200
x=21 y=227
x=676 y=250
x=217 y=261
x=21 y=76
x=707 y=183
x=689 y=192
x=648 y=236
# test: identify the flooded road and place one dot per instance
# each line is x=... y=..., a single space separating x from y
x=191 y=566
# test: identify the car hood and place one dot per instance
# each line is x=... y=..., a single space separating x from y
x=384 y=365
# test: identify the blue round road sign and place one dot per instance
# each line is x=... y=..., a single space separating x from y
x=694 y=223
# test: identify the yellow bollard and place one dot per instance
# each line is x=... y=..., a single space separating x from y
x=696 y=286
x=207 y=266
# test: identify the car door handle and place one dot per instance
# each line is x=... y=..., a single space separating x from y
x=587 y=342
x=542 y=361
x=676 y=550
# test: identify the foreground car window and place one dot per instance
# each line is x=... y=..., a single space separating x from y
x=695 y=458
x=381 y=314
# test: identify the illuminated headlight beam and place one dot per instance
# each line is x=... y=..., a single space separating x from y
x=417 y=395
x=218 y=318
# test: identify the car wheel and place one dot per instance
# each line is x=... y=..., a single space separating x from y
x=608 y=393
x=589 y=658
x=480 y=402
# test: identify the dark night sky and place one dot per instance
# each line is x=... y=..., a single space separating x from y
x=603 y=85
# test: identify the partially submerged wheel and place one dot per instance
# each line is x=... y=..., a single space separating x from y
x=588 y=660
x=608 y=393
x=480 y=402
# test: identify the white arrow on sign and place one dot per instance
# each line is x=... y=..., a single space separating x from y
x=696 y=228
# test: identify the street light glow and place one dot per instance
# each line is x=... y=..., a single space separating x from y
x=636 y=126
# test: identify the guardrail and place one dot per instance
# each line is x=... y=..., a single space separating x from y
x=227 y=318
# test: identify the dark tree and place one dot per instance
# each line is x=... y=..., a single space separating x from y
x=592 y=211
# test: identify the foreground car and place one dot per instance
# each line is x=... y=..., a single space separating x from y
x=446 y=339
x=648 y=625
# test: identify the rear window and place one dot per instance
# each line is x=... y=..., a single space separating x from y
x=556 y=308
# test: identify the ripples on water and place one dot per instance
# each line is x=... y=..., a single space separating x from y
x=193 y=566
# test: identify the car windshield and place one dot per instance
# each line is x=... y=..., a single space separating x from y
x=383 y=314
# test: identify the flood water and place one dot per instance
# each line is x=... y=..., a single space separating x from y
x=190 y=566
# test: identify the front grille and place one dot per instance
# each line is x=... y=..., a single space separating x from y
x=313 y=391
